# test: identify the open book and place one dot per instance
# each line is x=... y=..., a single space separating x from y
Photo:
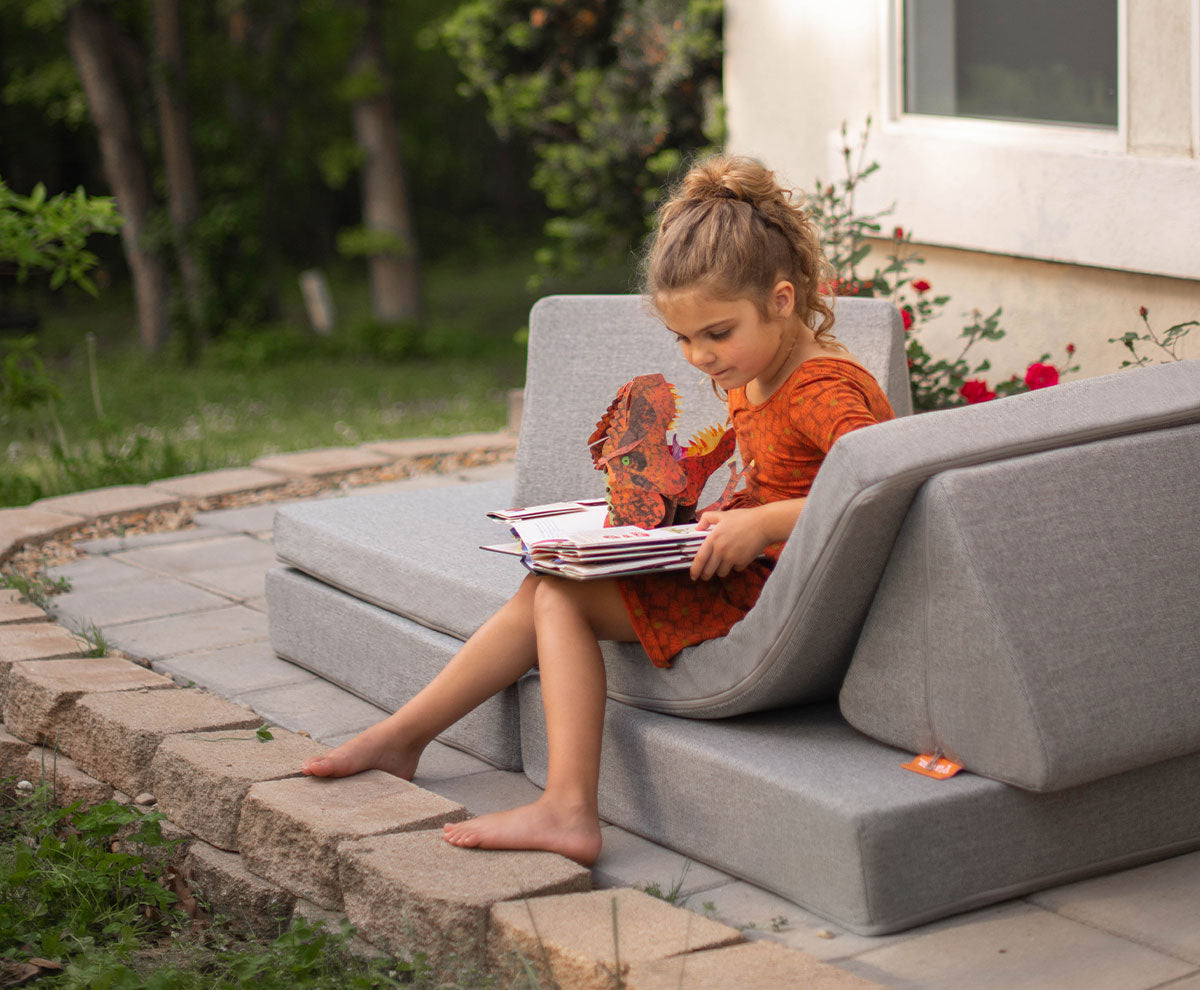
x=574 y=542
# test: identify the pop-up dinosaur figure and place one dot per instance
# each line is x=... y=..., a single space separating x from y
x=650 y=481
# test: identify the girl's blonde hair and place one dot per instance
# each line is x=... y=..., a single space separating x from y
x=731 y=229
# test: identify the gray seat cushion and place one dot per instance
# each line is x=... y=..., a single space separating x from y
x=415 y=553
x=1037 y=620
x=803 y=805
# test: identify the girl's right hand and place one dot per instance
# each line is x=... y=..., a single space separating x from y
x=734 y=540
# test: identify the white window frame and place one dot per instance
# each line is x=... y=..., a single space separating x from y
x=1070 y=194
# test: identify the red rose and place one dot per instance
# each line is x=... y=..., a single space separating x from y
x=898 y=233
x=906 y=314
x=1142 y=311
x=921 y=285
x=1041 y=376
x=1070 y=348
x=976 y=390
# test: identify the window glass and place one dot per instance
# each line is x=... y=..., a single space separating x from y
x=1048 y=61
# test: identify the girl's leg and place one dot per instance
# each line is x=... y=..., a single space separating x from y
x=570 y=619
x=499 y=652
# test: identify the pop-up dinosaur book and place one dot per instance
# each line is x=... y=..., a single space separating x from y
x=652 y=481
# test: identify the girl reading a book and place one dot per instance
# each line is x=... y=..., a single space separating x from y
x=734 y=270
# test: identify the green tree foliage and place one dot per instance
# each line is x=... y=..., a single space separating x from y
x=612 y=94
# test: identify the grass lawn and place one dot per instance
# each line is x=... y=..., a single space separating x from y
x=272 y=389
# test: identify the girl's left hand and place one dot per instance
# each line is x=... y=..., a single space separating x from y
x=734 y=540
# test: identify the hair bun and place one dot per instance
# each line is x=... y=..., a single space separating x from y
x=731 y=177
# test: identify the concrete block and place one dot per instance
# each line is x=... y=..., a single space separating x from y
x=248 y=519
x=586 y=940
x=18 y=526
x=441 y=762
x=116 y=544
x=39 y=694
x=464 y=443
x=289 y=830
x=12 y=753
x=106 y=503
x=755 y=964
x=235 y=670
x=193 y=632
x=114 y=735
x=70 y=784
x=97 y=574
x=16 y=612
x=314 y=706
x=628 y=860
x=1019 y=945
x=227 y=481
x=201 y=778
x=413 y=891
x=319 y=463
x=221 y=880
x=38 y=641
x=150 y=597
x=333 y=921
x=1157 y=905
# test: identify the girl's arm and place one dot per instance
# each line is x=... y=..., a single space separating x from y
x=737 y=536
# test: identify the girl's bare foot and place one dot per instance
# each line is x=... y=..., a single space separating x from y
x=375 y=748
x=541 y=825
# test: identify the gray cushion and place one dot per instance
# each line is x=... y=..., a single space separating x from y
x=583 y=348
x=415 y=553
x=381 y=657
x=801 y=804
x=795 y=644
x=1037 y=620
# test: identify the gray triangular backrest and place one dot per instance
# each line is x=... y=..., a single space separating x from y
x=583 y=348
x=796 y=643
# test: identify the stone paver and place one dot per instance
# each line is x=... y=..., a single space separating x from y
x=18 y=526
x=115 y=544
x=756 y=964
x=226 y=481
x=115 y=735
x=320 y=463
x=106 y=503
x=13 y=611
x=233 y=566
x=12 y=753
x=483 y=793
x=39 y=694
x=321 y=708
x=222 y=879
x=465 y=443
x=70 y=784
x=413 y=890
x=200 y=779
x=580 y=940
x=95 y=574
x=250 y=519
x=37 y=641
x=1142 y=904
x=1018 y=945
x=192 y=632
x=235 y=671
x=289 y=830
x=147 y=596
x=628 y=860
x=441 y=762
x=766 y=915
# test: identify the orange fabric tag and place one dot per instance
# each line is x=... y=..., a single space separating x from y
x=931 y=765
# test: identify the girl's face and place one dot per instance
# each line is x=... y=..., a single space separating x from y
x=728 y=339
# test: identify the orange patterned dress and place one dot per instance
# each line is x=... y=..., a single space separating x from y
x=786 y=437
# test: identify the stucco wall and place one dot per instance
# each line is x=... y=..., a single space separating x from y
x=1127 y=205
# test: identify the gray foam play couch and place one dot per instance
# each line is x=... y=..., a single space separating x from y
x=1013 y=584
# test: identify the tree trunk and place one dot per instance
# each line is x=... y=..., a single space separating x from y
x=395 y=277
x=183 y=193
x=124 y=166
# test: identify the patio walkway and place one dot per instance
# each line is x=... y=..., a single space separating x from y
x=191 y=603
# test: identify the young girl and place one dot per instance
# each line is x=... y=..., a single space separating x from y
x=734 y=270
